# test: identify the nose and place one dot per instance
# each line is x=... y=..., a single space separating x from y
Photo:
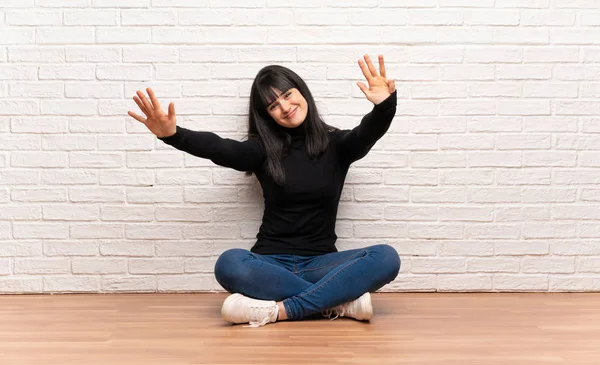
x=285 y=106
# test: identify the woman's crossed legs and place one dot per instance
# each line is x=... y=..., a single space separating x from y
x=306 y=285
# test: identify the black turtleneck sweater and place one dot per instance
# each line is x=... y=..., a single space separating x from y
x=299 y=217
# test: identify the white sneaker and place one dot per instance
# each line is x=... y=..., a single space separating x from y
x=241 y=309
x=360 y=309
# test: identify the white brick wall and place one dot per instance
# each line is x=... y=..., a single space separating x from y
x=488 y=179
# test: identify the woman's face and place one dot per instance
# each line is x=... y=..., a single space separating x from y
x=289 y=109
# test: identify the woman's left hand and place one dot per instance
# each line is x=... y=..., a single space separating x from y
x=379 y=86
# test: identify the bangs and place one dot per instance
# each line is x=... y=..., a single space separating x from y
x=266 y=86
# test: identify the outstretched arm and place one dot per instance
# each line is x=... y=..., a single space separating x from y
x=242 y=156
x=355 y=144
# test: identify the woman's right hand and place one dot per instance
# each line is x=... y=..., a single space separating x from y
x=157 y=121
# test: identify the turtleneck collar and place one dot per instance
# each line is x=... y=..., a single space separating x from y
x=299 y=131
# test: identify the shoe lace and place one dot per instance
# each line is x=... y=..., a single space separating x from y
x=339 y=311
x=260 y=315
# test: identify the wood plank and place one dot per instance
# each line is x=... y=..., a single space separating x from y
x=408 y=328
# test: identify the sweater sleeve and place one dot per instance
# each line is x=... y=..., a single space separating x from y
x=356 y=143
x=241 y=156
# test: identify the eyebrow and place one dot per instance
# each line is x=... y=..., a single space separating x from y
x=276 y=100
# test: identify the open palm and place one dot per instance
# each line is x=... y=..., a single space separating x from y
x=157 y=121
x=380 y=87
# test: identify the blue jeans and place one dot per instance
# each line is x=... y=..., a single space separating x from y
x=307 y=284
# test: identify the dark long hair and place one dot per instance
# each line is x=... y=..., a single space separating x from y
x=272 y=136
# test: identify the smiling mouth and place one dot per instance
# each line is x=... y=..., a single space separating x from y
x=291 y=114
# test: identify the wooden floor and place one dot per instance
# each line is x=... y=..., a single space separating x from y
x=166 y=329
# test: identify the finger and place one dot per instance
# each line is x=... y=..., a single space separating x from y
x=171 y=110
x=363 y=88
x=137 y=117
x=381 y=66
x=371 y=66
x=145 y=101
x=392 y=86
x=141 y=105
x=153 y=99
x=365 y=70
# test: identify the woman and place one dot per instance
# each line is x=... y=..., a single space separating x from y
x=294 y=269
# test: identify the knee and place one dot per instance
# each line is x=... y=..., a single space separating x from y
x=389 y=260
x=228 y=265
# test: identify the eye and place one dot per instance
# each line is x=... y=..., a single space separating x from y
x=287 y=95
